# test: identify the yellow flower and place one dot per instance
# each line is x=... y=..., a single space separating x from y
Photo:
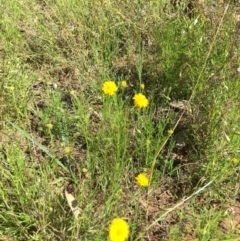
x=235 y=160
x=124 y=83
x=142 y=86
x=11 y=88
x=72 y=92
x=67 y=150
x=140 y=100
x=84 y=170
x=109 y=88
x=170 y=132
x=49 y=126
x=118 y=230
x=142 y=180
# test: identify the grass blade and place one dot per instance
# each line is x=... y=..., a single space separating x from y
x=43 y=148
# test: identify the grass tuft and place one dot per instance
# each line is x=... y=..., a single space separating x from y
x=119 y=120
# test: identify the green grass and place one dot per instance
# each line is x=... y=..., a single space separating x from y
x=55 y=56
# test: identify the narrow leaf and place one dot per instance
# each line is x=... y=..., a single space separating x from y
x=43 y=148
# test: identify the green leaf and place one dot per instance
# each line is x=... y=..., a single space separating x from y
x=43 y=148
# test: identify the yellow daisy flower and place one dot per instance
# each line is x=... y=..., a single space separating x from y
x=67 y=150
x=124 y=83
x=140 y=100
x=109 y=87
x=235 y=160
x=118 y=230
x=142 y=180
x=72 y=92
x=49 y=126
